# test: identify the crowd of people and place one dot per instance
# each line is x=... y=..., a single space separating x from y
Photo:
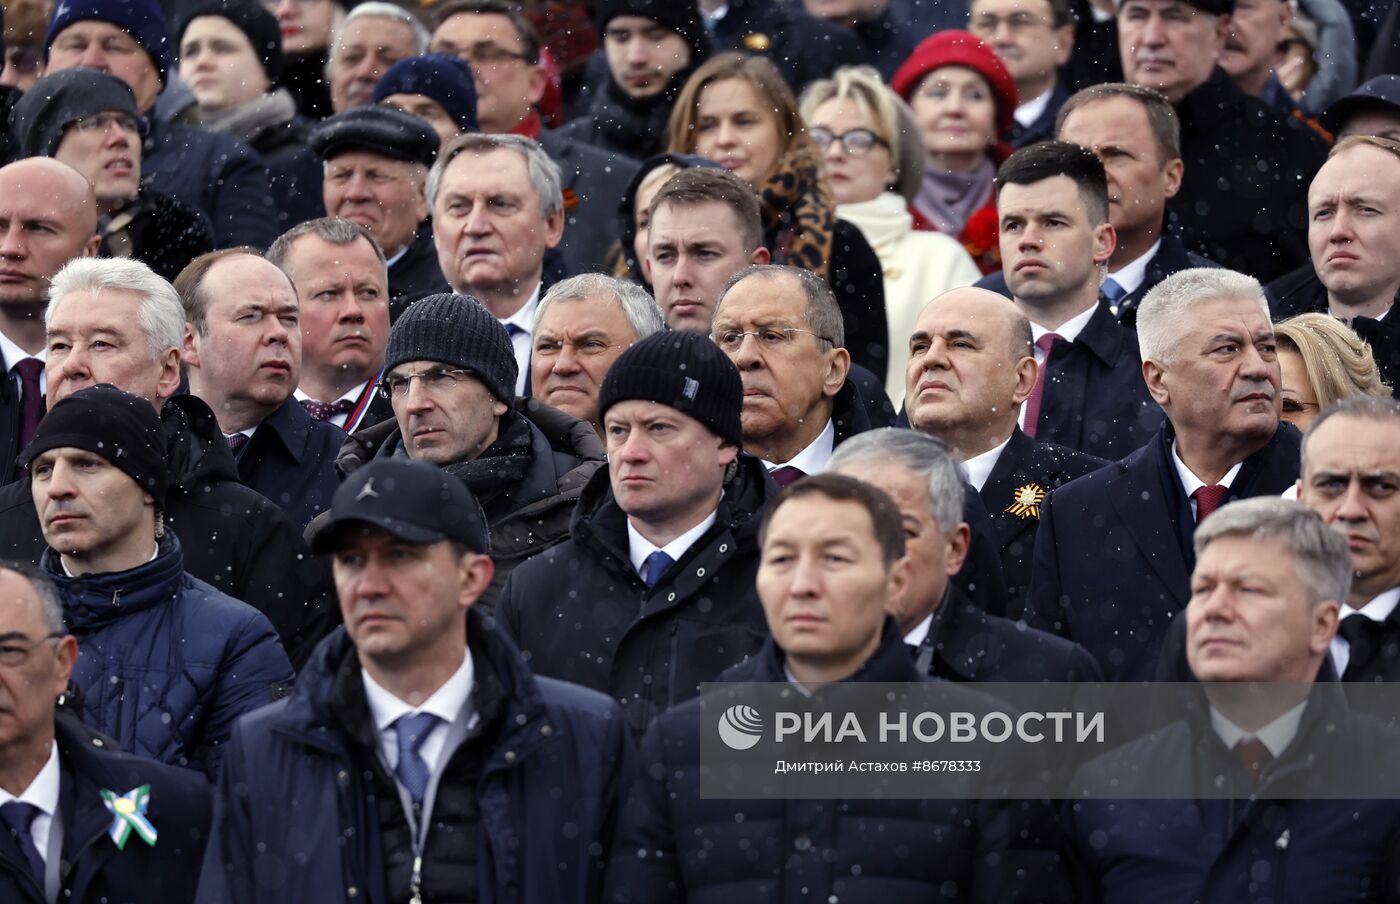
x=406 y=407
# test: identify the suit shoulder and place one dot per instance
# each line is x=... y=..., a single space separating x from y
x=575 y=702
x=1053 y=457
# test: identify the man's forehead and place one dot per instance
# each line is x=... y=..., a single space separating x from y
x=763 y=298
x=1057 y=193
x=479 y=27
x=969 y=313
x=1010 y=6
x=577 y=314
x=793 y=522
x=713 y=219
x=1363 y=169
x=93 y=28
x=1347 y=443
x=108 y=310
x=1217 y=315
x=493 y=170
x=19 y=603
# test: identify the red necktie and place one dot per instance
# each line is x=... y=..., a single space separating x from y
x=324 y=411
x=1208 y=499
x=1044 y=343
x=31 y=402
x=786 y=475
x=1254 y=755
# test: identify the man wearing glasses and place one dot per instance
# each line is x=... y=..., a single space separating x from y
x=54 y=770
x=450 y=374
x=1034 y=38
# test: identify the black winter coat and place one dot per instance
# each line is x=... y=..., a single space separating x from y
x=290 y=459
x=232 y=537
x=159 y=231
x=92 y=869
x=581 y=613
x=594 y=181
x=417 y=272
x=215 y=174
x=297 y=819
x=804 y=48
x=858 y=281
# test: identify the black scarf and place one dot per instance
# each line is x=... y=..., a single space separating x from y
x=495 y=475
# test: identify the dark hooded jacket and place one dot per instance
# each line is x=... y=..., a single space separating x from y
x=582 y=614
x=166 y=663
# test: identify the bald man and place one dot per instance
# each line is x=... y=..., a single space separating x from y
x=970 y=368
x=48 y=216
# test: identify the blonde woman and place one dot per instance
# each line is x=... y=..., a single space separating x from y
x=1323 y=361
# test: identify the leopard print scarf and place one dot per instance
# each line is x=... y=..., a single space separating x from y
x=799 y=212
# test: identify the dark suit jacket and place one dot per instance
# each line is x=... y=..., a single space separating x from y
x=1171 y=257
x=290 y=459
x=417 y=271
x=1113 y=553
x=1018 y=136
x=1025 y=462
x=92 y=869
x=594 y=181
x=9 y=421
x=967 y=644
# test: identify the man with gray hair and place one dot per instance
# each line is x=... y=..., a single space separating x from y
x=115 y=321
x=949 y=636
x=581 y=327
x=497 y=208
x=1113 y=554
x=372 y=38
x=1268 y=580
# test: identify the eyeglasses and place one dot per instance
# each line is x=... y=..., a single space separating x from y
x=489 y=53
x=988 y=24
x=271 y=5
x=770 y=338
x=14 y=654
x=857 y=142
x=434 y=379
x=101 y=122
x=587 y=348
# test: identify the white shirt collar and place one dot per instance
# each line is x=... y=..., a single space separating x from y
x=814 y=457
x=1031 y=110
x=1276 y=736
x=639 y=547
x=525 y=317
x=445 y=703
x=14 y=354
x=43 y=794
x=1131 y=274
x=916 y=637
x=1068 y=331
x=390 y=261
x=521 y=342
x=1378 y=610
x=1191 y=483
x=979 y=467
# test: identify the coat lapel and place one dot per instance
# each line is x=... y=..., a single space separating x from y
x=1138 y=498
x=1008 y=475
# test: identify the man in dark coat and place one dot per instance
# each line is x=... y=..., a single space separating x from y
x=233 y=538
x=971 y=369
x=829 y=626
x=55 y=844
x=803 y=47
x=1242 y=197
x=243 y=358
x=212 y=172
x=450 y=371
x=887 y=30
x=1056 y=238
x=1112 y=554
x=418 y=757
x=167 y=663
x=1268 y=578
x=1034 y=39
x=948 y=634
x=664 y=544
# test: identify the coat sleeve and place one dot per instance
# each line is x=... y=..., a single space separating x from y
x=507 y=611
x=1044 y=609
x=241 y=203
x=642 y=864
x=278 y=576
x=858 y=281
x=227 y=874
x=254 y=672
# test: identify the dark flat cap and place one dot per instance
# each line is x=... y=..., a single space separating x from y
x=1380 y=93
x=379 y=130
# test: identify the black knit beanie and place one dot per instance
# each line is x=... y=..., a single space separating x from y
x=685 y=371
x=680 y=16
x=249 y=17
x=122 y=428
x=456 y=330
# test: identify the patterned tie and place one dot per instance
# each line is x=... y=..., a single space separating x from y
x=236 y=442
x=1044 y=343
x=786 y=475
x=1112 y=293
x=31 y=402
x=412 y=771
x=324 y=411
x=654 y=566
x=1254 y=755
x=19 y=816
x=1208 y=499
x=1364 y=636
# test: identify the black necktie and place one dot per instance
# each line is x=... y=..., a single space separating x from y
x=18 y=817
x=1364 y=637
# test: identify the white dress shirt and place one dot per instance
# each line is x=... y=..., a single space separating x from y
x=445 y=703
x=43 y=794
x=521 y=341
x=1276 y=736
x=979 y=467
x=916 y=636
x=639 y=547
x=1377 y=610
x=1030 y=111
x=812 y=459
x=1191 y=483
x=353 y=396
x=1068 y=331
x=13 y=354
x=1131 y=274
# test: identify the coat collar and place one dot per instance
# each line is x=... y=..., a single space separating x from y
x=1103 y=334
x=93 y=600
x=889 y=663
x=959 y=634
x=290 y=426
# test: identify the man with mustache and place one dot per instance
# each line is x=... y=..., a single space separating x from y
x=242 y=356
x=1113 y=554
x=1056 y=240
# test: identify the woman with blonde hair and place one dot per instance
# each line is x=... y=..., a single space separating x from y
x=873 y=158
x=739 y=112
x=1323 y=361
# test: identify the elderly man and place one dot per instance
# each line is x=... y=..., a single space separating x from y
x=1112 y=555
x=497 y=207
x=834 y=557
x=48 y=216
x=1034 y=38
x=449 y=372
x=583 y=324
x=665 y=542
x=242 y=355
x=1135 y=134
x=372 y=38
x=1241 y=200
x=1268 y=579
x=420 y=713
x=342 y=286
x=114 y=321
x=949 y=636
x=209 y=171
x=155 y=639
x=970 y=370
x=376 y=168
x=1052 y=203
x=54 y=769
x=503 y=47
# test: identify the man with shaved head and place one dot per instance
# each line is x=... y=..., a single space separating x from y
x=48 y=216
x=970 y=368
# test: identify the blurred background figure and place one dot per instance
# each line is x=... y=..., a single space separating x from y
x=307 y=27
x=1322 y=361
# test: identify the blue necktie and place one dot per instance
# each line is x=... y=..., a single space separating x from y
x=654 y=566
x=412 y=771
x=1113 y=293
x=19 y=816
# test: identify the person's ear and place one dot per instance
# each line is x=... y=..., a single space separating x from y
x=554 y=228
x=1171 y=176
x=1324 y=626
x=475 y=571
x=538 y=82
x=959 y=539
x=760 y=256
x=1105 y=240
x=1154 y=375
x=837 y=367
x=1026 y=373
x=169 y=382
x=191 y=349
x=66 y=654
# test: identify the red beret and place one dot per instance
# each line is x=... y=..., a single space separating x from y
x=958 y=48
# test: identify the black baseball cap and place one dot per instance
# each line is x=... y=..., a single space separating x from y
x=1380 y=93
x=413 y=500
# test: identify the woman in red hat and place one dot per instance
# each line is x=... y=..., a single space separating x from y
x=962 y=97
